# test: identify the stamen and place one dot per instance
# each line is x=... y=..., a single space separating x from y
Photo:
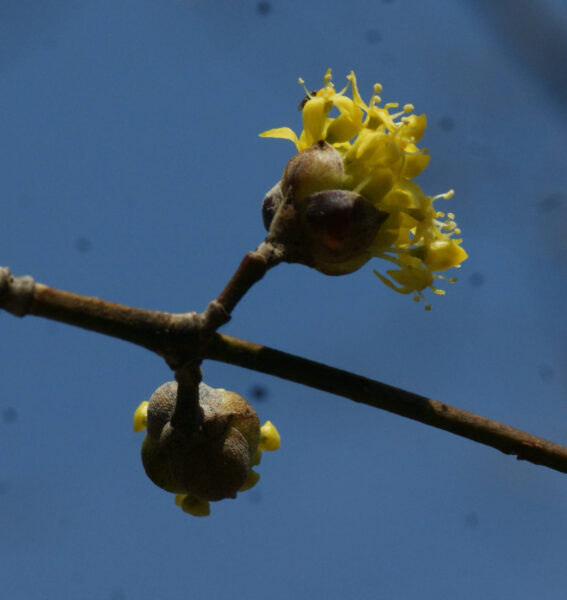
x=308 y=94
x=447 y=195
x=362 y=184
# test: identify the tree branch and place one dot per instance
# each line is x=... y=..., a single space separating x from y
x=395 y=400
x=181 y=338
x=167 y=334
x=252 y=268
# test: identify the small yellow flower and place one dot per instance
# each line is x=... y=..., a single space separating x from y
x=380 y=156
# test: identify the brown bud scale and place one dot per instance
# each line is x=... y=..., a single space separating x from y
x=212 y=463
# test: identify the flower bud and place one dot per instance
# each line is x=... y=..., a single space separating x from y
x=314 y=169
x=211 y=463
x=339 y=225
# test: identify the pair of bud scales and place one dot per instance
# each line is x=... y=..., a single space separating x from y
x=336 y=225
x=211 y=463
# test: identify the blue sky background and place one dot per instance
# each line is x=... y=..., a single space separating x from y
x=132 y=170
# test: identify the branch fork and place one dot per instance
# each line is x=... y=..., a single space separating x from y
x=184 y=340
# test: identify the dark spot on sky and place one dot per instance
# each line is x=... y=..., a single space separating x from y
x=546 y=373
x=263 y=8
x=254 y=497
x=10 y=415
x=259 y=393
x=372 y=36
x=82 y=245
x=476 y=279
x=472 y=520
x=446 y=123
x=3 y=487
x=551 y=203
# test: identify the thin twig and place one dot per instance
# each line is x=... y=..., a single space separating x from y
x=187 y=414
x=395 y=400
x=252 y=268
x=173 y=336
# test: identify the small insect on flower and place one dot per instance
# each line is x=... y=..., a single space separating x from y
x=348 y=146
x=306 y=99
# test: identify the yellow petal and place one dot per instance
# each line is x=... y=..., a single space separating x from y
x=340 y=130
x=195 y=506
x=412 y=279
x=251 y=481
x=404 y=195
x=413 y=127
x=415 y=163
x=179 y=499
x=141 y=417
x=269 y=437
x=315 y=114
x=348 y=108
x=444 y=254
x=284 y=133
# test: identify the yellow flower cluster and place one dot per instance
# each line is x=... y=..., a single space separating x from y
x=377 y=145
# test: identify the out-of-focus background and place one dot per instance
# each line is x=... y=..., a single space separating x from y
x=132 y=170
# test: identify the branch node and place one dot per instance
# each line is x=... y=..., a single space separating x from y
x=16 y=293
x=214 y=316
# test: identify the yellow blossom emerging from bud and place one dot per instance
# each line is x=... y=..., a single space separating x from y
x=377 y=144
x=213 y=462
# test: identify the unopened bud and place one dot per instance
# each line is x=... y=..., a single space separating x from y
x=314 y=169
x=339 y=225
x=211 y=463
